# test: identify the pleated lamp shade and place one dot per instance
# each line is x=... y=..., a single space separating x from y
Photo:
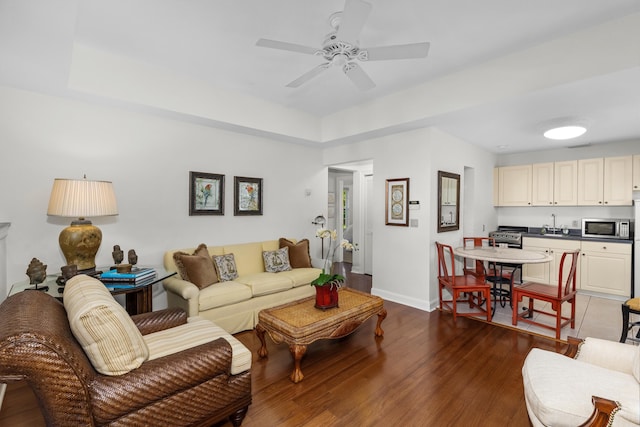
x=81 y=199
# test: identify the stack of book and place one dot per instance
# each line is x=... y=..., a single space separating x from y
x=136 y=276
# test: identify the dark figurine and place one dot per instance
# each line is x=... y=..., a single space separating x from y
x=132 y=257
x=37 y=273
x=118 y=254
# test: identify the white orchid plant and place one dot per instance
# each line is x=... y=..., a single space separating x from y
x=326 y=276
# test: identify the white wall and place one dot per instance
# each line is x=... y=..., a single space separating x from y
x=404 y=257
x=536 y=216
x=148 y=159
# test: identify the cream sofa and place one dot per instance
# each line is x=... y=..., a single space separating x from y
x=558 y=390
x=234 y=305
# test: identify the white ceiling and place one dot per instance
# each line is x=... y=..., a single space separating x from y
x=213 y=41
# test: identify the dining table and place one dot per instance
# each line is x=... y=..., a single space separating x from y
x=502 y=256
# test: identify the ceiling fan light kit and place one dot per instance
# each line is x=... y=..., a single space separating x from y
x=341 y=47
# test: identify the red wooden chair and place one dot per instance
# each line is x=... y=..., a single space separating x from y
x=476 y=291
x=556 y=295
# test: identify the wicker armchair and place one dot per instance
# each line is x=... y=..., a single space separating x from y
x=192 y=387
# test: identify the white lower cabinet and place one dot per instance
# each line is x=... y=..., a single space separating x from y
x=547 y=272
x=603 y=267
x=606 y=267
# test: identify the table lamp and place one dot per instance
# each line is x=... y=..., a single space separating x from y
x=81 y=198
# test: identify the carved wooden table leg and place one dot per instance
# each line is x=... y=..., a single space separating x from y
x=297 y=351
x=381 y=316
x=262 y=352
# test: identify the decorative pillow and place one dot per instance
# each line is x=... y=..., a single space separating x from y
x=275 y=261
x=298 y=252
x=110 y=339
x=197 y=268
x=226 y=267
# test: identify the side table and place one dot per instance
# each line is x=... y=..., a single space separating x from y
x=138 y=296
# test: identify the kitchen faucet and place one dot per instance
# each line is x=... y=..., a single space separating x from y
x=554 y=223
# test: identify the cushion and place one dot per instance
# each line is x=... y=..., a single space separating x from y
x=197 y=268
x=111 y=340
x=301 y=276
x=248 y=257
x=224 y=293
x=266 y=283
x=195 y=332
x=276 y=261
x=299 y=256
x=226 y=267
x=558 y=389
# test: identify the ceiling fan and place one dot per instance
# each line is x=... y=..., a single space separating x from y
x=341 y=47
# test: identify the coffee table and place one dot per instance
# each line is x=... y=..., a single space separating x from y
x=299 y=323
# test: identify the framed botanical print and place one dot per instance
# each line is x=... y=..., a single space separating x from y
x=397 y=202
x=206 y=193
x=247 y=196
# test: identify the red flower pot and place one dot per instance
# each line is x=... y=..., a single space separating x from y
x=327 y=296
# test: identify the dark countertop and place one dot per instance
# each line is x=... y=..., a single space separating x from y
x=574 y=234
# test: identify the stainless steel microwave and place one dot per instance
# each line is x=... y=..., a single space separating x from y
x=615 y=228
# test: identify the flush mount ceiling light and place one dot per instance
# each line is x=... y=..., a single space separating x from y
x=565 y=132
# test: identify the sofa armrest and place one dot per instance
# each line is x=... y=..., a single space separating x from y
x=159 y=320
x=607 y=354
x=184 y=289
x=603 y=411
x=160 y=379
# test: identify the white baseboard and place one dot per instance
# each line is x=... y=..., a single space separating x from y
x=404 y=300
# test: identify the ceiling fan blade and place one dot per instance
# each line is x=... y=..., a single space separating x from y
x=309 y=75
x=292 y=47
x=402 y=51
x=358 y=76
x=354 y=16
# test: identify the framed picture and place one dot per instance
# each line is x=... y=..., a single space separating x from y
x=206 y=193
x=397 y=202
x=247 y=196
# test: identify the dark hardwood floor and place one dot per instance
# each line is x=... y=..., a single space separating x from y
x=427 y=370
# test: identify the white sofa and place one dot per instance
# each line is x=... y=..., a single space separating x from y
x=234 y=304
x=558 y=390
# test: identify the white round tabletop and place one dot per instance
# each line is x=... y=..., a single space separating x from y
x=503 y=255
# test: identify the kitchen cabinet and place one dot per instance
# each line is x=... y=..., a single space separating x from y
x=565 y=183
x=542 y=184
x=496 y=179
x=605 y=181
x=548 y=272
x=514 y=185
x=590 y=182
x=555 y=184
x=636 y=172
x=606 y=268
x=449 y=192
x=618 y=181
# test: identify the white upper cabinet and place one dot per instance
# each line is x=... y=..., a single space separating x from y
x=555 y=184
x=590 y=179
x=565 y=183
x=542 y=184
x=514 y=186
x=608 y=181
x=618 y=181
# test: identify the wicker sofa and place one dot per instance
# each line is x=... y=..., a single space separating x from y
x=234 y=304
x=194 y=386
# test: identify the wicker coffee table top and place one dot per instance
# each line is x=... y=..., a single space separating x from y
x=300 y=323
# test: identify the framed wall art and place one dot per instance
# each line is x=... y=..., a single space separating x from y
x=247 y=196
x=206 y=193
x=397 y=202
